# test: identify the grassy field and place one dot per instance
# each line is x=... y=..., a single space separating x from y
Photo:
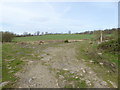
x=13 y=57
x=54 y=37
x=12 y=61
x=14 y=54
x=108 y=70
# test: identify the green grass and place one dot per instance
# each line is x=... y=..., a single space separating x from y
x=54 y=37
x=71 y=77
x=12 y=62
x=0 y=62
x=89 y=52
x=13 y=56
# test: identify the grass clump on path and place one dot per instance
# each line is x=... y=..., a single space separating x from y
x=71 y=80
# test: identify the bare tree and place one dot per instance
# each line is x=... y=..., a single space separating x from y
x=69 y=32
x=25 y=33
x=38 y=33
x=42 y=33
x=46 y=33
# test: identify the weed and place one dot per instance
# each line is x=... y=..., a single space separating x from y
x=66 y=41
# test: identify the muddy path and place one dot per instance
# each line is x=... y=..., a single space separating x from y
x=58 y=68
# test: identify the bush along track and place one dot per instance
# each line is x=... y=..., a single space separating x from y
x=112 y=46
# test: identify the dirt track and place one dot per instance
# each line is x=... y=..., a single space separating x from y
x=43 y=73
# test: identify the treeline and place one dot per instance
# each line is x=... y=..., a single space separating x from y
x=38 y=33
x=106 y=31
x=8 y=36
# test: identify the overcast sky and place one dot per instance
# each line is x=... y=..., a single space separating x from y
x=57 y=16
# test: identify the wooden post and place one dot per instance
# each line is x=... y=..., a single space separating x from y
x=101 y=38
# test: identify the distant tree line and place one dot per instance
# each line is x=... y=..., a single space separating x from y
x=8 y=36
x=106 y=31
x=38 y=33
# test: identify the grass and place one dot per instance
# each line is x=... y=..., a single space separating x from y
x=110 y=46
x=12 y=61
x=72 y=78
x=0 y=63
x=13 y=56
x=89 y=52
x=54 y=37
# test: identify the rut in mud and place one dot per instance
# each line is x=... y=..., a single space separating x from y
x=59 y=68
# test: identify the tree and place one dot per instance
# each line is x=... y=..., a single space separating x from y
x=42 y=33
x=7 y=36
x=46 y=33
x=69 y=32
x=25 y=33
x=38 y=33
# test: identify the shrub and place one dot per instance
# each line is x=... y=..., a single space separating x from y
x=7 y=36
x=112 y=46
x=66 y=41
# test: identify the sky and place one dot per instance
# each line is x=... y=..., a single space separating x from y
x=57 y=17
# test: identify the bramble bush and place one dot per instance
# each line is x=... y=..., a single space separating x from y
x=7 y=36
x=112 y=46
x=66 y=41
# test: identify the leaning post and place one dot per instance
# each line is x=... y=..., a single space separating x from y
x=101 y=37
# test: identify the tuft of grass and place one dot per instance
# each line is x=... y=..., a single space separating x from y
x=66 y=41
x=71 y=78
